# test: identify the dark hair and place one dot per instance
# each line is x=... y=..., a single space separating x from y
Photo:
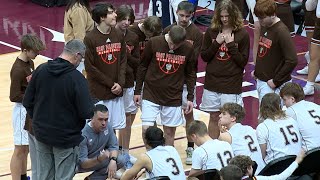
x=125 y=11
x=197 y=127
x=231 y=172
x=270 y=107
x=234 y=110
x=177 y=34
x=84 y=3
x=31 y=42
x=101 y=10
x=265 y=8
x=153 y=24
x=154 y=137
x=100 y=108
x=186 y=6
x=294 y=90
x=243 y=162
x=235 y=16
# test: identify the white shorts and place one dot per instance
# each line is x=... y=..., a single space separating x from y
x=263 y=88
x=129 y=105
x=81 y=68
x=170 y=116
x=20 y=135
x=184 y=97
x=213 y=101
x=117 y=116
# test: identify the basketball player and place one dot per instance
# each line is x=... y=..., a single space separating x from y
x=313 y=67
x=145 y=29
x=306 y=114
x=225 y=48
x=106 y=63
x=159 y=160
x=210 y=153
x=185 y=13
x=276 y=56
x=165 y=10
x=309 y=22
x=20 y=75
x=243 y=139
x=167 y=63
x=278 y=134
x=245 y=164
x=125 y=17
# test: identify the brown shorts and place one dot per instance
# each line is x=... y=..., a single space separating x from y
x=316 y=35
x=285 y=14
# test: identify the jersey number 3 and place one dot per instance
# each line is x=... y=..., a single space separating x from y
x=159 y=8
x=174 y=165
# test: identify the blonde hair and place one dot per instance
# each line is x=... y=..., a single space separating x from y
x=235 y=16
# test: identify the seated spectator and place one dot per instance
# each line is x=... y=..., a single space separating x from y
x=99 y=149
x=211 y=153
x=243 y=139
x=278 y=135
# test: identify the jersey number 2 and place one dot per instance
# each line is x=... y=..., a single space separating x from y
x=174 y=165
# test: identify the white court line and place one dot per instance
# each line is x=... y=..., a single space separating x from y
x=18 y=48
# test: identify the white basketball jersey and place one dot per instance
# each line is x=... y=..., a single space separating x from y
x=245 y=142
x=281 y=136
x=213 y=154
x=307 y=115
x=166 y=162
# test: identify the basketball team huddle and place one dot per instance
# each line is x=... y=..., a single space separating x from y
x=67 y=111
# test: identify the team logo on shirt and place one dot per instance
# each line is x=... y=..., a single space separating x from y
x=108 y=52
x=169 y=63
x=222 y=53
x=264 y=46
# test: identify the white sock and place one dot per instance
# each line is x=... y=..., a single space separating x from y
x=310 y=83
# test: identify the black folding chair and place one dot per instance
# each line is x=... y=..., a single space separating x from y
x=210 y=174
x=277 y=166
x=159 y=178
x=310 y=163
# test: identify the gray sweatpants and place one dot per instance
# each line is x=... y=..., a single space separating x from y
x=56 y=163
x=33 y=156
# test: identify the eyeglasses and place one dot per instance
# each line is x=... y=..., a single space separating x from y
x=82 y=56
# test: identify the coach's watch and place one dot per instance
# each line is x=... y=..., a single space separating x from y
x=113 y=158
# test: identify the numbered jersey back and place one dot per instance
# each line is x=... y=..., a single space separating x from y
x=213 y=154
x=163 y=10
x=245 y=142
x=166 y=162
x=281 y=136
x=307 y=115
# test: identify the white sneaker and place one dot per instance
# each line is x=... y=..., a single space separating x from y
x=304 y=70
x=189 y=152
x=308 y=90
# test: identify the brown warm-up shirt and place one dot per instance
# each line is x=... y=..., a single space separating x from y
x=19 y=72
x=277 y=56
x=225 y=62
x=164 y=72
x=133 y=57
x=142 y=38
x=105 y=62
x=193 y=36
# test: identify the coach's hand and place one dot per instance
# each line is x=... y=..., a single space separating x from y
x=116 y=89
x=189 y=107
x=112 y=168
x=137 y=100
